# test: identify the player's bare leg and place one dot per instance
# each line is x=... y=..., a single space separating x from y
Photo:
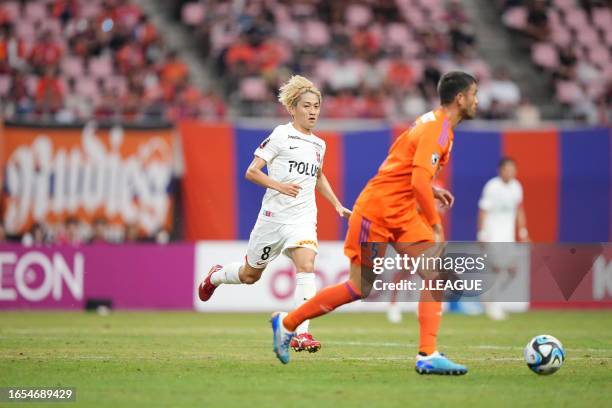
x=305 y=289
x=233 y=273
x=394 y=312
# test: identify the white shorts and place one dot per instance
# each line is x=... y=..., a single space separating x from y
x=269 y=239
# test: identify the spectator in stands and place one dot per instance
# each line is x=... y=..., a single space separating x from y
x=240 y=58
x=12 y=50
x=413 y=105
x=584 y=108
x=527 y=114
x=344 y=75
x=49 y=92
x=365 y=43
x=341 y=106
x=65 y=10
x=431 y=76
x=77 y=107
x=372 y=105
x=373 y=76
x=537 y=20
x=505 y=92
x=567 y=64
x=174 y=71
x=73 y=235
x=131 y=233
x=45 y=53
x=100 y=231
x=37 y=235
x=400 y=75
x=19 y=95
x=212 y=107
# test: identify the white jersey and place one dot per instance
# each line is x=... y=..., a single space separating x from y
x=291 y=157
x=500 y=201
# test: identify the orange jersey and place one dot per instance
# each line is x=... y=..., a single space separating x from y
x=388 y=198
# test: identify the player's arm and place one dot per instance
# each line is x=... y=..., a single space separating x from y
x=255 y=175
x=421 y=186
x=521 y=222
x=425 y=166
x=480 y=224
x=484 y=204
x=326 y=191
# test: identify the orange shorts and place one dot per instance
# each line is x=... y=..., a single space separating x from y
x=360 y=230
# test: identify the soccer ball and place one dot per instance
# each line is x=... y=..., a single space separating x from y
x=544 y=354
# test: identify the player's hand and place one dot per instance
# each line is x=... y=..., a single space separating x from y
x=438 y=233
x=290 y=189
x=446 y=197
x=343 y=211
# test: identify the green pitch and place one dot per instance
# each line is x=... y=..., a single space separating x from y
x=226 y=360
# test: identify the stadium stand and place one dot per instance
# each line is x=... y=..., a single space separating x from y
x=571 y=41
x=72 y=60
x=374 y=59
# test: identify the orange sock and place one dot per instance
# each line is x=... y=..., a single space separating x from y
x=322 y=303
x=430 y=315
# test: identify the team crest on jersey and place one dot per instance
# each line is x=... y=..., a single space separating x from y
x=318 y=157
x=264 y=143
x=435 y=158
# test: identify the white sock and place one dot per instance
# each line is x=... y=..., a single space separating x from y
x=305 y=289
x=229 y=274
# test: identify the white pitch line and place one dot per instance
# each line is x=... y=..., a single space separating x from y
x=477 y=347
x=204 y=358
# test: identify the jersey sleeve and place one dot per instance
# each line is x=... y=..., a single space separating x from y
x=486 y=199
x=429 y=152
x=271 y=146
x=519 y=193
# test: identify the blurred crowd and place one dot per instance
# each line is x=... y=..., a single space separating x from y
x=372 y=58
x=73 y=231
x=571 y=40
x=72 y=60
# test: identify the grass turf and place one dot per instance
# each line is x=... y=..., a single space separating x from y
x=225 y=360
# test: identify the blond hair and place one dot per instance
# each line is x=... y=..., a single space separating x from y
x=289 y=94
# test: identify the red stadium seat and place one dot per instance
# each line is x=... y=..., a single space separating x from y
x=602 y=18
x=72 y=66
x=316 y=33
x=397 y=34
x=599 y=55
x=101 y=67
x=545 y=55
x=561 y=37
x=515 y=18
x=587 y=37
x=35 y=11
x=568 y=92
x=89 y=9
x=193 y=13
x=253 y=89
x=576 y=19
x=358 y=15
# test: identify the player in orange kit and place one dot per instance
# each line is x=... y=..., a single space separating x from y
x=386 y=211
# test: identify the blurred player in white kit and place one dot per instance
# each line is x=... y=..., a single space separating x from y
x=501 y=218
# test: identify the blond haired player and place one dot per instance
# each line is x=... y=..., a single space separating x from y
x=287 y=221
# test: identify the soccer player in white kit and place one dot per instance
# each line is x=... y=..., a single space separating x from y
x=500 y=213
x=287 y=221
